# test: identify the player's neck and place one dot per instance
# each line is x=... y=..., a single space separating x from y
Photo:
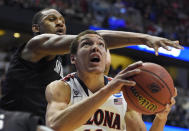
x=93 y=81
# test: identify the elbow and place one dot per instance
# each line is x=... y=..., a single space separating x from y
x=53 y=124
x=59 y=126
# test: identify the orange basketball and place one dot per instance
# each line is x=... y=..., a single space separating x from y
x=154 y=89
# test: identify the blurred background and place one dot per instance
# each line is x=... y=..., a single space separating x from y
x=165 y=18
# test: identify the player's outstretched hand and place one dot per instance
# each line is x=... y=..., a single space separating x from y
x=157 y=42
x=164 y=113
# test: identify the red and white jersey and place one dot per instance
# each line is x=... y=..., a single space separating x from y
x=109 y=116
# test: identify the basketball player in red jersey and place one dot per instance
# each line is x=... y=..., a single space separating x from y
x=88 y=100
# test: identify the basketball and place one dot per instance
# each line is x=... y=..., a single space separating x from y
x=153 y=90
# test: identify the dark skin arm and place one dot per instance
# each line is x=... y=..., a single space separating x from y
x=46 y=45
x=51 y=44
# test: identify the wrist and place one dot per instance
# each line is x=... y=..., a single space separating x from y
x=106 y=90
x=145 y=39
x=161 y=117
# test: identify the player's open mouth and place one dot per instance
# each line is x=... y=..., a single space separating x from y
x=60 y=31
x=95 y=59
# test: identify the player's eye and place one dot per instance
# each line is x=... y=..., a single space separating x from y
x=86 y=43
x=102 y=44
x=52 y=19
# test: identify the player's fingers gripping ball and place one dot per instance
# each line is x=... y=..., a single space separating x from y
x=153 y=90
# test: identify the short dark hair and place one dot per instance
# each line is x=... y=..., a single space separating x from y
x=38 y=15
x=74 y=44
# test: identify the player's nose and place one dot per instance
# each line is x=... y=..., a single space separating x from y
x=95 y=48
x=59 y=22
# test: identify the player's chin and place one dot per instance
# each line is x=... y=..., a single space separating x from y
x=96 y=70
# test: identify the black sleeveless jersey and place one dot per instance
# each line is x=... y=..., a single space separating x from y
x=18 y=121
x=24 y=86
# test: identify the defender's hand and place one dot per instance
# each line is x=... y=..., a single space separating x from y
x=157 y=42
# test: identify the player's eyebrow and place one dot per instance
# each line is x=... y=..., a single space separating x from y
x=90 y=39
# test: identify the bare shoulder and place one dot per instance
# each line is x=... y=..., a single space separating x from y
x=58 y=91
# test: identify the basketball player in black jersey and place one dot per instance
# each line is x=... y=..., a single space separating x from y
x=81 y=101
x=38 y=62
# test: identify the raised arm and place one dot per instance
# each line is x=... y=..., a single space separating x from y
x=161 y=118
x=46 y=45
x=52 y=44
x=60 y=114
x=118 y=39
x=134 y=120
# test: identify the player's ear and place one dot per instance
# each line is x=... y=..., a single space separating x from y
x=35 y=28
x=72 y=59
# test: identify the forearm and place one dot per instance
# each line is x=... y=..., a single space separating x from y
x=79 y=113
x=158 y=124
x=134 y=121
x=118 y=39
x=47 y=45
x=114 y=39
x=161 y=118
x=58 y=45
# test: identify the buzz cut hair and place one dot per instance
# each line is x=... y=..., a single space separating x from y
x=37 y=17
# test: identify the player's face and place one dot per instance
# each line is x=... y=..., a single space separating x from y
x=91 y=54
x=52 y=22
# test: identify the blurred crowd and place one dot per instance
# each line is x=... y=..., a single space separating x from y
x=157 y=17
x=165 y=18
